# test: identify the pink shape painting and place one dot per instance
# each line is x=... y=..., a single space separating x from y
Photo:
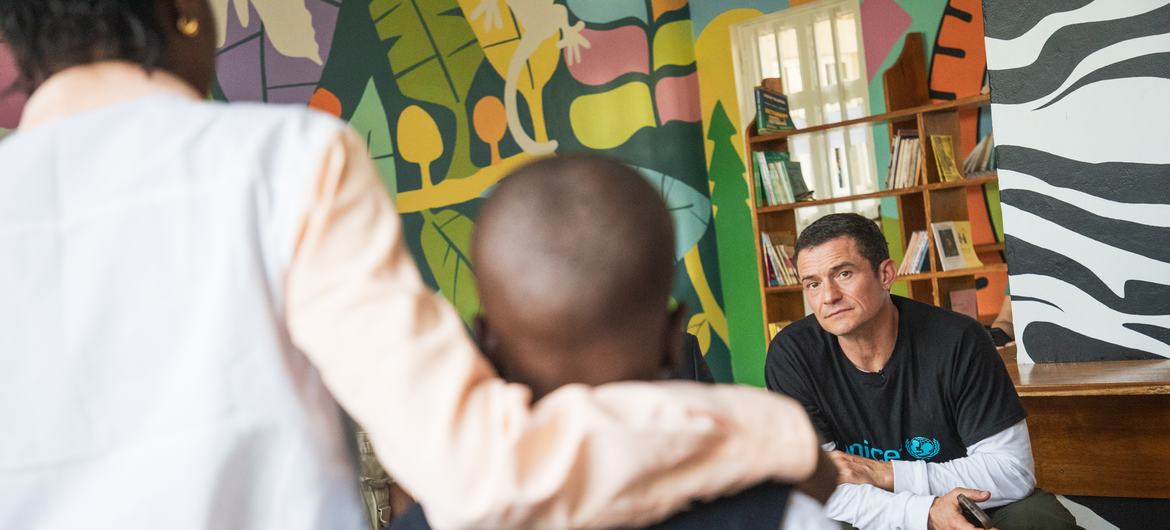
x=10 y=103
x=678 y=98
x=882 y=23
x=611 y=53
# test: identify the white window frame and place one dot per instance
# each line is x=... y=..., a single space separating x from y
x=811 y=103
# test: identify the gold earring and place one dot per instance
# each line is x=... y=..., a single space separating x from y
x=187 y=26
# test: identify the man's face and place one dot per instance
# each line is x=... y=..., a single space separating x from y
x=841 y=286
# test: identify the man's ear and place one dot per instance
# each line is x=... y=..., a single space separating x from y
x=887 y=273
x=673 y=341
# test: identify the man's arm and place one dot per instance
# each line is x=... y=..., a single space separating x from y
x=470 y=447
x=870 y=508
x=866 y=500
x=1001 y=464
x=864 y=505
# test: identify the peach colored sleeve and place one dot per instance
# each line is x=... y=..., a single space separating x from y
x=468 y=445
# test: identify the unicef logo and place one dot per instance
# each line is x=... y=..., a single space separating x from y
x=922 y=448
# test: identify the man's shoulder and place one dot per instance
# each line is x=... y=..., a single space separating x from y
x=806 y=329
x=936 y=322
x=804 y=338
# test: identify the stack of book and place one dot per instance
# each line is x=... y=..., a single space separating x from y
x=779 y=179
x=772 y=112
x=778 y=267
x=914 y=260
x=981 y=160
x=775 y=327
x=905 y=160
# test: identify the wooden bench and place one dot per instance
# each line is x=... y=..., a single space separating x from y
x=1098 y=428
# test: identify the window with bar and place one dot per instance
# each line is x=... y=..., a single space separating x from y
x=816 y=50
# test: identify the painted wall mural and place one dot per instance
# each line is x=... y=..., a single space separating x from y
x=452 y=94
x=956 y=69
x=1079 y=97
x=10 y=102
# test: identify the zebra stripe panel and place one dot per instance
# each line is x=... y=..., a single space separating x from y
x=1080 y=93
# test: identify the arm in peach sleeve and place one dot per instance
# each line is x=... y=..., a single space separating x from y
x=468 y=445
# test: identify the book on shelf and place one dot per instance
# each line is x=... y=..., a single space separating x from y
x=944 y=157
x=954 y=244
x=763 y=180
x=981 y=159
x=772 y=111
x=778 y=266
x=770 y=272
x=776 y=176
x=793 y=176
x=779 y=178
x=775 y=327
x=761 y=200
x=905 y=159
x=914 y=260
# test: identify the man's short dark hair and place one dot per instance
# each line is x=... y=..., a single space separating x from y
x=871 y=243
x=47 y=36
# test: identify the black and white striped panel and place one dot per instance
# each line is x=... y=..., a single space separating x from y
x=1080 y=93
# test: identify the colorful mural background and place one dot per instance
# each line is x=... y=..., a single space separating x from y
x=956 y=67
x=451 y=94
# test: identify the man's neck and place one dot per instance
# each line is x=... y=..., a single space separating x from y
x=870 y=346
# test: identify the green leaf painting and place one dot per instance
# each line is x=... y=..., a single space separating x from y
x=369 y=119
x=433 y=57
x=739 y=275
x=689 y=209
x=446 y=244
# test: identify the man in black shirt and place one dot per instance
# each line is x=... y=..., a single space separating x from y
x=912 y=400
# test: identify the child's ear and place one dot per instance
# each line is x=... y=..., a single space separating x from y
x=485 y=340
x=673 y=342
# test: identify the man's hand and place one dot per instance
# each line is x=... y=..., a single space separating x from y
x=945 y=513
x=857 y=470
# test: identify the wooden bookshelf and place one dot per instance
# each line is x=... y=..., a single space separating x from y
x=958 y=104
x=929 y=200
x=973 y=181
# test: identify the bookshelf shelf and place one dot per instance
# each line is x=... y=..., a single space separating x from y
x=970 y=181
x=848 y=198
x=993 y=247
x=784 y=289
x=958 y=104
x=928 y=200
x=995 y=267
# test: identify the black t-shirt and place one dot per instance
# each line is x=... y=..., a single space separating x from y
x=943 y=389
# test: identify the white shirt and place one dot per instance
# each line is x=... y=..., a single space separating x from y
x=188 y=290
x=1001 y=464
